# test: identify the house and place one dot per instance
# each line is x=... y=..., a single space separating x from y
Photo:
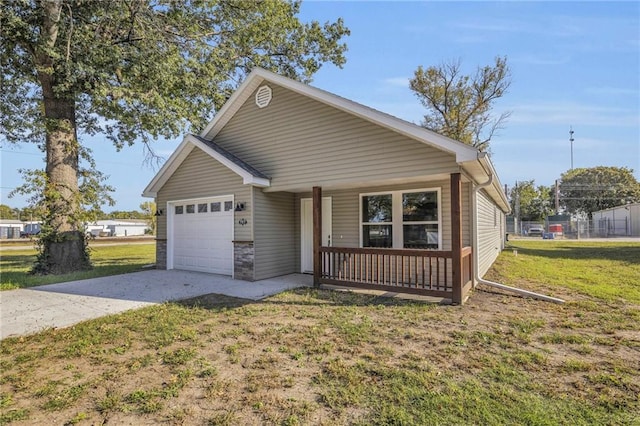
x=617 y=221
x=10 y=228
x=117 y=228
x=288 y=178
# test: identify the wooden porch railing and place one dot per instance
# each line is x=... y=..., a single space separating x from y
x=425 y=272
x=467 y=271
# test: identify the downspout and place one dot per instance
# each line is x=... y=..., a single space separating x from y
x=476 y=272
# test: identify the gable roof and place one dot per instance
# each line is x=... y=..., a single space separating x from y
x=461 y=151
x=476 y=164
x=249 y=174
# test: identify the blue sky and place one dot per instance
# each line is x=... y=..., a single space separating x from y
x=573 y=64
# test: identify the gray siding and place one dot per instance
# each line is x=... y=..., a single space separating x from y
x=275 y=247
x=490 y=231
x=466 y=214
x=346 y=209
x=300 y=142
x=201 y=176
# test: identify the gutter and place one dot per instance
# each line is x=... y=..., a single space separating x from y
x=478 y=279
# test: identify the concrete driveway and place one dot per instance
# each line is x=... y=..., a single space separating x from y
x=28 y=311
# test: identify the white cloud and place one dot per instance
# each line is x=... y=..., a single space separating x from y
x=554 y=26
x=497 y=25
x=468 y=39
x=532 y=59
x=397 y=81
x=572 y=113
x=612 y=91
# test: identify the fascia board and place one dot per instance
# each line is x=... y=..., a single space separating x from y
x=495 y=189
x=256 y=181
x=461 y=151
x=168 y=168
x=497 y=185
x=247 y=177
x=182 y=151
x=232 y=104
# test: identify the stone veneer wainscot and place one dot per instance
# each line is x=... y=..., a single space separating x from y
x=243 y=260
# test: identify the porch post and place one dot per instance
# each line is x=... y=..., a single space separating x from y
x=317 y=235
x=456 y=237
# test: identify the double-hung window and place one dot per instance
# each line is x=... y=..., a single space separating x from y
x=377 y=220
x=401 y=219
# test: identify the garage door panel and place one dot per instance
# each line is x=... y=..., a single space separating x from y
x=202 y=240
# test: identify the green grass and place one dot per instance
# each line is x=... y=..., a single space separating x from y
x=107 y=260
x=606 y=270
x=321 y=357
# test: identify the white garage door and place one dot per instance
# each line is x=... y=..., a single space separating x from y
x=202 y=235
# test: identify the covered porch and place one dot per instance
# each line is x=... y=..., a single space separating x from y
x=438 y=273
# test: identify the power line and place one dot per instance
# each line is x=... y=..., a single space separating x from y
x=42 y=154
x=21 y=153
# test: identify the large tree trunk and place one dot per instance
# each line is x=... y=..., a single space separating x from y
x=62 y=247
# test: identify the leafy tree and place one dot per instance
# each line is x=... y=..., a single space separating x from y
x=7 y=212
x=459 y=106
x=531 y=202
x=133 y=70
x=31 y=214
x=586 y=190
x=123 y=214
x=149 y=213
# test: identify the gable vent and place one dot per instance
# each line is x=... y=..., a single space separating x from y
x=263 y=96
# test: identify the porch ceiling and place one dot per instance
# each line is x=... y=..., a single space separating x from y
x=329 y=185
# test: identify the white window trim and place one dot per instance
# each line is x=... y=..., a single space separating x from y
x=396 y=211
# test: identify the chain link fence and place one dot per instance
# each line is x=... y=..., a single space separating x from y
x=574 y=228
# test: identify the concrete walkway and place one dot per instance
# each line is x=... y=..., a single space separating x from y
x=28 y=311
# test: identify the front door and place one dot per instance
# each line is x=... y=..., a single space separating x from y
x=306 y=230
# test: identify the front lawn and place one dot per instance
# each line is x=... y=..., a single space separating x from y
x=606 y=270
x=107 y=260
x=334 y=358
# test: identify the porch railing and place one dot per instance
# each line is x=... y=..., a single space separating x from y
x=425 y=272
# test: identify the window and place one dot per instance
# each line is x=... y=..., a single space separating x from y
x=179 y=209
x=420 y=220
x=377 y=218
x=191 y=208
x=202 y=208
x=401 y=219
x=228 y=205
x=215 y=207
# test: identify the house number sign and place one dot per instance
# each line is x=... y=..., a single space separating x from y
x=243 y=221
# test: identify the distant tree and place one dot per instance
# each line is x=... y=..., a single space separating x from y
x=7 y=212
x=459 y=106
x=92 y=194
x=125 y=214
x=31 y=213
x=149 y=214
x=531 y=202
x=133 y=70
x=586 y=190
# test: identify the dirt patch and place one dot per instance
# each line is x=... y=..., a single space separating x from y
x=317 y=357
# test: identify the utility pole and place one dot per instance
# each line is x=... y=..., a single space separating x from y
x=571 y=141
x=517 y=207
x=557 y=197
